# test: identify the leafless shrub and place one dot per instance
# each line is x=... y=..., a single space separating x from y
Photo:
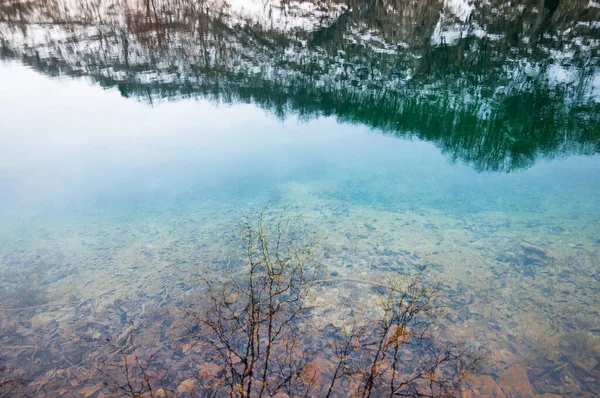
x=401 y=353
x=251 y=322
x=127 y=373
x=251 y=329
x=250 y=334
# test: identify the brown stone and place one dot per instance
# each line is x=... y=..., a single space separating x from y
x=186 y=386
x=480 y=386
x=91 y=390
x=312 y=372
x=209 y=370
x=547 y=395
x=515 y=383
x=581 y=367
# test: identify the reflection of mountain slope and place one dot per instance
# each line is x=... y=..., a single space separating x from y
x=495 y=96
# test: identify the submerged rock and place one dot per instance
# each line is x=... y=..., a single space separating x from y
x=480 y=386
x=186 y=386
x=515 y=383
x=531 y=259
x=534 y=255
x=209 y=370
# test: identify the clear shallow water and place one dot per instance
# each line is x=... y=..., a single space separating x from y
x=109 y=203
x=117 y=154
x=126 y=205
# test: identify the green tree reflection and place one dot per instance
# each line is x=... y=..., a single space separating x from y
x=494 y=85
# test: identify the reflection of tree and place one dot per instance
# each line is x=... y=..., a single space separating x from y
x=488 y=99
x=250 y=332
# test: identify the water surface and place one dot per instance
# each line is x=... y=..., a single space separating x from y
x=469 y=141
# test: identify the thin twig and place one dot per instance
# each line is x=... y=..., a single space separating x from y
x=39 y=306
x=334 y=280
x=34 y=351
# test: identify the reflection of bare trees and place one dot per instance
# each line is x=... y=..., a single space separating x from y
x=491 y=101
x=130 y=375
x=154 y=22
x=250 y=325
x=251 y=333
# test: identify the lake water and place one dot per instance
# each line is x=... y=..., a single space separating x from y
x=468 y=140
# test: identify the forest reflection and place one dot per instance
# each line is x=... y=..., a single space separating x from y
x=494 y=85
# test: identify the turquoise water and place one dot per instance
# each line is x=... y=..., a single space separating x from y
x=123 y=200
x=120 y=177
x=123 y=157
